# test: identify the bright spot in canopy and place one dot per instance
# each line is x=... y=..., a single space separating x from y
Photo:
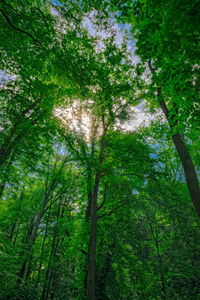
x=81 y=120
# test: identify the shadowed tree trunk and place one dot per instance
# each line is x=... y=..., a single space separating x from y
x=15 y=222
x=102 y=280
x=187 y=163
x=49 y=276
x=34 y=232
x=43 y=243
x=186 y=160
x=160 y=262
x=92 y=246
x=90 y=292
x=89 y=192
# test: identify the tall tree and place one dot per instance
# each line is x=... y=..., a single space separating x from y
x=168 y=42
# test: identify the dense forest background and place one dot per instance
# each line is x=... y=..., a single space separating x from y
x=99 y=149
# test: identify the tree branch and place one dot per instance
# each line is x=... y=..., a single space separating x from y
x=20 y=30
x=9 y=6
x=72 y=148
x=112 y=211
x=33 y=105
x=150 y=66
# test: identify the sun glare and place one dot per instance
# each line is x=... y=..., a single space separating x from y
x=79 y=120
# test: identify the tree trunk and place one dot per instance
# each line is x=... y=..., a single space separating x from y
x=48 y=274
x=102 y=281
x=34 y=233
x=160 y=262
x=188 y=166
x=15 y=222
x=43 y=244
x=16 y=234
x=90 y=292
x=39 y=217
x=2 y=186
x=92 y=246
x=13 y=230
x=187 y=163
x=89 y=192
x=4 y=175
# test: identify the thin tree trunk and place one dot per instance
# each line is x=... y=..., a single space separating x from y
x=46 y=286
x=49 y=277
x=15 y=222
x=160 y=261
x=29 y=270
x=21 y=273
x=89 y=192
x=16 y=234
x=23 y=267
x=39 y=217
x=13 y=230
x=4 y=176
x=27 y=236
x=34 y=233
x=2 y=186
x=43 y=244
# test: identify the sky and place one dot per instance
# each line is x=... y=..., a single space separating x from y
x=140 y=117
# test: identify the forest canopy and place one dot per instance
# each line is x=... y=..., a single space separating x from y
x=99 y=149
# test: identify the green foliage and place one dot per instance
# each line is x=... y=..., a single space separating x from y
x=54 y=163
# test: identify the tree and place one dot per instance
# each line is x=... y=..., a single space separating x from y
x=170 y=49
